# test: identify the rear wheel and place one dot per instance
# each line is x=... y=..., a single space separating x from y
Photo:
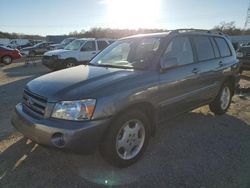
x=222 y=102
x=6 y=60
x=127 y=139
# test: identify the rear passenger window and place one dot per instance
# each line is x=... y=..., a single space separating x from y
x=216 y=50
x=223 y=47
x=102 y=44
x=204 y=48
x=180 y=49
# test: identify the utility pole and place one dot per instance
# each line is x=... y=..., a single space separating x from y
x=247 y=23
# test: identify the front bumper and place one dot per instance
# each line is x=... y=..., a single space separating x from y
x=81 y=137
x=245 y=64
x=53 y=64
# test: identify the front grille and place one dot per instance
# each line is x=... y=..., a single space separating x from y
x=247 y=54
x=34 y=104
x=49 y=58
x=46 y=58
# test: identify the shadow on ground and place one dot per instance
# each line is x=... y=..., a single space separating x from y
x=25 y=70
x=11 y=89
x=195 y=150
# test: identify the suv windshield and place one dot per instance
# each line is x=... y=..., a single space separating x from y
x=38 y=45
x=66 y=41
x=75 y=45
x=126 y=52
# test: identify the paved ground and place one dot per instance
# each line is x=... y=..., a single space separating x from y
x=194 y=150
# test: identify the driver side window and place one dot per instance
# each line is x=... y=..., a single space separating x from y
x=179 y=49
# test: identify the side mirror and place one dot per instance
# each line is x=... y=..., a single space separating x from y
x=167 y=63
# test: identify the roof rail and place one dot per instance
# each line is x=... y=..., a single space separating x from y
x=196 y=30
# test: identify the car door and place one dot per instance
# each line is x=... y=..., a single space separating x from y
x=178 y=85
x=209 y=65
x=88 y=51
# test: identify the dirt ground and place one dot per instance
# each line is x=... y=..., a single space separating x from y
x=196 y=149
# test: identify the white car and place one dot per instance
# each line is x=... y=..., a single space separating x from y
x=79 y=51
x=63 y=44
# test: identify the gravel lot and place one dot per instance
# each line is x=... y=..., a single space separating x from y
x=193 y=150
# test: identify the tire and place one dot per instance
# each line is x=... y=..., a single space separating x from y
x=223 y=100
x=129 y=132
x=6 y=60
x=69 y=63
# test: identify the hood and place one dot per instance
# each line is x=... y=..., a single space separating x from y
x=55 y=45
x=77 y=83
x=56 y=52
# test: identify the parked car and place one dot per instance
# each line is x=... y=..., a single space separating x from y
x=14 y=43
x=243 y=54
x=37 y=49
x=63 y=44
x=7 y=55
x=29 y=44
x=79 y=51
x=117 y=100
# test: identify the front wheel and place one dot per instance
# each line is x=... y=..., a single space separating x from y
x=6 y=60
x=223 y=100
x=69 y=63
x=127 y=139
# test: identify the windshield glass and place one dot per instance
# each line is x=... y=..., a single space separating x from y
x=66 y=41
x=5 y=47
x=126 y=52
x=37 y=45
x=75 y=45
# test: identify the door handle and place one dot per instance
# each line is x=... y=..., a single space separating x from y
x=221 y=64
x=94 y=53
x=195 y=70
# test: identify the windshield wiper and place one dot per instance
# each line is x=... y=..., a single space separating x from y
x=111 y=66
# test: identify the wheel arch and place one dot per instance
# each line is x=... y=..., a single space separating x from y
x=145 y=107
x=70 y=59
x=232 y=81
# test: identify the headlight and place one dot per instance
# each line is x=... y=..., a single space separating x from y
x=74 y=110
x=240 y=54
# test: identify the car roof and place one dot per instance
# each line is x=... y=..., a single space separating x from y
x=179 y=32
x=86 y=39
x=164 y=34
x=98 y=39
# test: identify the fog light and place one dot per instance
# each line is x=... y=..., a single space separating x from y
x=58 y=140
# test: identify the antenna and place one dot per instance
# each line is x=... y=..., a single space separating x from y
x=247 y=23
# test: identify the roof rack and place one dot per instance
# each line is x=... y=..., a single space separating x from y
x=196 y=30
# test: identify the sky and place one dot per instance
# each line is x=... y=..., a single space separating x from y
x=52 y=17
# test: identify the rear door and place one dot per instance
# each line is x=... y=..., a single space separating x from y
x=226 y=53
x=88 y=50
x=209 y=65
x=179 y=85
